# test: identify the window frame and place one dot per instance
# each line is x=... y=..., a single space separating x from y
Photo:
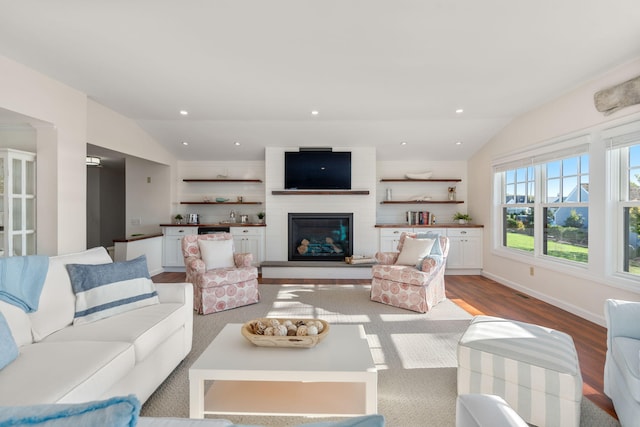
x=538 y=158
x=618 y=141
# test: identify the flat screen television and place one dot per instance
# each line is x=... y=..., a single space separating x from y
x=317 y=170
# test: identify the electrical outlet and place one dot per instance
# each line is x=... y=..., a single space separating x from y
x=531 y=271
x=148 y=180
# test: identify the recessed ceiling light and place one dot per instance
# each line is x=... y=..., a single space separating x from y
x=315 y=112
x=185 y=143
x=403 y=143
x=184 y=113
x=458 y=142
x=236 y=143
x=459 y=111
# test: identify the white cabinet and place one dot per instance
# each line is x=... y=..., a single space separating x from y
x=251 y=240
x=17 y=203
x=172 y=246
x=465 y=248
x=389 y=238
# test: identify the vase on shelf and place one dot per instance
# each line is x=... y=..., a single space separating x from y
x=452 y=193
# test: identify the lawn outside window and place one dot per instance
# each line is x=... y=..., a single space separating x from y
x=544 y=204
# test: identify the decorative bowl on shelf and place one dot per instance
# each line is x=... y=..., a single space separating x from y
x=421 y=175
x=302 y=333
x=221 y=199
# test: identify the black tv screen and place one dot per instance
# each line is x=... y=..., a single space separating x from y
x=317 y=170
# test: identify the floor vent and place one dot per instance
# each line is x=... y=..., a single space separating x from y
x=522 y=295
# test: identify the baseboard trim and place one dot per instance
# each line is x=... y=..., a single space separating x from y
x=592 y=317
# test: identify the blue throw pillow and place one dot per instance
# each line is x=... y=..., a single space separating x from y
x=114 y=412
x=436 y=249
x=8 y=348
x=103 y=290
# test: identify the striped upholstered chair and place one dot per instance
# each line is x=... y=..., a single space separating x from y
x=533 y=368
x=417 y=285
x=221 y=278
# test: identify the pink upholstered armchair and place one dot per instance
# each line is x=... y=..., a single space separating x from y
x=405 y=286
x=221 y=278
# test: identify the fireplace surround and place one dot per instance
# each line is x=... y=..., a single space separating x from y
x=320 y=236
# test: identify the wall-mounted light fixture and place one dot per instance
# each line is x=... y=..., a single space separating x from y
x=93 y=161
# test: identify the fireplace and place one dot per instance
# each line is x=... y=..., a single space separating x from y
x=320 y=236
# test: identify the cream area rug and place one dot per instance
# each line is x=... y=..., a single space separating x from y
x=415 y=354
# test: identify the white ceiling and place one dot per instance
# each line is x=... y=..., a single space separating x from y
x=379 y=72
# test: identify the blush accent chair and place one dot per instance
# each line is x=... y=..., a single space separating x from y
x=229 y=281
x=412 y=287
x=622 y=363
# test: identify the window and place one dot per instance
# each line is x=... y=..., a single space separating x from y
x=517 y=209
x=554 y=189
x=566 y=211
x=623 y=145
x=629 y=207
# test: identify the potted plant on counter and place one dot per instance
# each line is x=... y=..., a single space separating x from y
x=462 y=218
x=261 y=217
x=178 y=219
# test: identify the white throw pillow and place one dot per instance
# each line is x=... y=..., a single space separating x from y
x=216 y=253
x=57 y=301
x=414 y=250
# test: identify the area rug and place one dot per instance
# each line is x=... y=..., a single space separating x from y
x=415 y=354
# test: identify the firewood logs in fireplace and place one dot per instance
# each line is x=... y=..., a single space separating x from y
x=318 y=247
x=337 y=249
x=304 y=247
x=622 y=95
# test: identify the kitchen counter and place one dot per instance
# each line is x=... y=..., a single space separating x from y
x=138 y=237
x=442 y=225
x=219 y=224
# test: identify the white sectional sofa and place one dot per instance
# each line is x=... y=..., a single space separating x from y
x=128 y=353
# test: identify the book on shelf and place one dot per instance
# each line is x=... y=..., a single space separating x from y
x=420 y=218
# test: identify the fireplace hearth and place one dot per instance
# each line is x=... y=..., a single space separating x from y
x=320 y=236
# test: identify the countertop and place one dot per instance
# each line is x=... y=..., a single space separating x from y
x=219 y=224
x=443 y=225
x=135 y=238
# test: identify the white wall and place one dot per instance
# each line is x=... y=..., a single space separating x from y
x=579 y=291
x=148 y=196
x=394 y=213
x=72 y=120
x=60 y=150
x=363 y=177
x=198 y=191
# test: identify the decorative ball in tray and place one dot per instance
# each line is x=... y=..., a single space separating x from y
x=270 y=332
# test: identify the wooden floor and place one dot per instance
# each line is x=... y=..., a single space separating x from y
x=479 y=295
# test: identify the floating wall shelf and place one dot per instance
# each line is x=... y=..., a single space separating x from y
x=220 y=203
x=221 y=180
x=420 y=202
x=420 y=180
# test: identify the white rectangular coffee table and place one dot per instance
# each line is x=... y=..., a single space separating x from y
x=337 y=377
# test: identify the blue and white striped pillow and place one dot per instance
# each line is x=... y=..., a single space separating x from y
x=103 y=290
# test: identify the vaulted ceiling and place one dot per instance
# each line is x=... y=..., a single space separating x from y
x=378 y=72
